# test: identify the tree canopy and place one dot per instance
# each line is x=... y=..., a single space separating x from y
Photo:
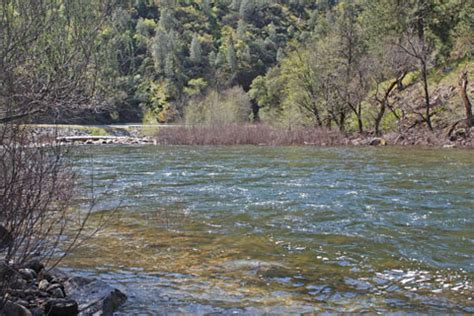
x=318 y=63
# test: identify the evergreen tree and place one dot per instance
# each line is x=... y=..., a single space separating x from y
x=195 y=50
x=167 y=21
x=247 y=9
x=231 y=57
x=235 y=5
x=220 y=59
x=212 y=58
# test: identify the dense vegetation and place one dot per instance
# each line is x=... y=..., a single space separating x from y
x=364 y=65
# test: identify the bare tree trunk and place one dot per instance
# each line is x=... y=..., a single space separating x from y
x=423 y=57
x=316 y=113
x=379 y=117
x=255 y=111
x=384 y=102
x=342 y=122
x=360 y=123
x=424 y=71
x=357 y=110
x=463 y=83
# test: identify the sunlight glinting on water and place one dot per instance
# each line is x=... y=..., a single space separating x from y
x=289 y=229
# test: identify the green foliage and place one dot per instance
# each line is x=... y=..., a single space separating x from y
x=339 y=75
x=301 y=62
x=222 y=43
x=195 y=87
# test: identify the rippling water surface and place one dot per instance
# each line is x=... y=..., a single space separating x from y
x=253 y=230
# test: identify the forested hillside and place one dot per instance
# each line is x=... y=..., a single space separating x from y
x=364 y=65
x=172 y=53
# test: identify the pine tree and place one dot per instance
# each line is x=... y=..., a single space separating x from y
x=220 y=59
x=280 y=54
x=231 y=56
x=246 y=56
x=235 y=5
x=170 y=66
x=247 y=8
x=212 y=58
x=160 y=49
x=195 y=50
x=167 y=20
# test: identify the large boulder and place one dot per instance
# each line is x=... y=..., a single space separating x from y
x=34 y=265
x=13 y=309
x=61 y=307
x=94 y=296
x=377 y=141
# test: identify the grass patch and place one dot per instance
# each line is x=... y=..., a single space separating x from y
x=449 y=74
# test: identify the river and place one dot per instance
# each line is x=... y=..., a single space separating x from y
x=254 y=230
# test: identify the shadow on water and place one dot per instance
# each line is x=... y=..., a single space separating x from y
x=258 y=230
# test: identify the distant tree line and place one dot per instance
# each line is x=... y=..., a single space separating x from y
x=338 y=64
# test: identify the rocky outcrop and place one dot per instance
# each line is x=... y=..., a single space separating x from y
x=31 y=290
x=104 y=140
x=94 y=296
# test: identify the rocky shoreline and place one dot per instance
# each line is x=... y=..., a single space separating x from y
x=32 y=290
x=460 y=138
x=105 y=140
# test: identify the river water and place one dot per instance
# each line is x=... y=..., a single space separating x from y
x=253 y=230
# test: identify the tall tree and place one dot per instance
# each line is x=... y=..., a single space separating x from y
x=231 y=56
x=352 y=86
x=195 y=51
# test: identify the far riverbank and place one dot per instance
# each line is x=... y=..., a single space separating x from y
x=252 y=134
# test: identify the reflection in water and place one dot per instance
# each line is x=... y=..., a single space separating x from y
x=280 y=230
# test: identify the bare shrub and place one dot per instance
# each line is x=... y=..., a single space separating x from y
x=37 y=221
x=247 y=134
x=51 y=59
x=218 y=108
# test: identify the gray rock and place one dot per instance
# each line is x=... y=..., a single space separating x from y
x=356 y=142
x=18 y=283
x=43 y=285
x=53 y=287
x=28 y=274
x=61 y=307
x=94 y=296
x=35 y=265
x=37 y=311
x=378 y=142
x=22 y=303
x=12 y=309
x=58 y=293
